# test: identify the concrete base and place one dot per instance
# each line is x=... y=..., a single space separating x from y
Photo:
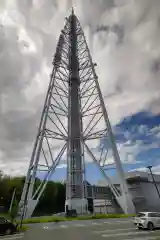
x=80 y=205
x=29 y=209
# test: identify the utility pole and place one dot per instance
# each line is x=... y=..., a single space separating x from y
x=154 y=182
x=12 y=200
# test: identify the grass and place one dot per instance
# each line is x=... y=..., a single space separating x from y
x=22 y=228
x=6 y=215
x=61 y=219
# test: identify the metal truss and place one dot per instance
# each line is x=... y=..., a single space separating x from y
x=51 y=145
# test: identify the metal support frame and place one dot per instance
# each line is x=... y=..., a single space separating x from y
x=73 y=118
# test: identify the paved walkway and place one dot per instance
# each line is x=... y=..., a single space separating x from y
x=86 y=230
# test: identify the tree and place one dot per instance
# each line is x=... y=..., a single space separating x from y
x=52 y=201
x=14 y=210
x=60 y=197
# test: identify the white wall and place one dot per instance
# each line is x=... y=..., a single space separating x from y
x=146 y=190
x=151 y=195
x=102 y=206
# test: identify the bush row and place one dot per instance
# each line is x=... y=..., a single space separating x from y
x=60 y=219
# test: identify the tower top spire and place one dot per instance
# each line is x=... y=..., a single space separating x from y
x=72 y=10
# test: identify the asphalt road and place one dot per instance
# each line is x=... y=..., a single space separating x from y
x=86 y=230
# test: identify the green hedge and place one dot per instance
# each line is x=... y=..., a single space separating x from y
x=101 y=216
x=60 y=219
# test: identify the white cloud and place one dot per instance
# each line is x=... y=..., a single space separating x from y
x=155 y=169
x=62 y=166
x=15 y=168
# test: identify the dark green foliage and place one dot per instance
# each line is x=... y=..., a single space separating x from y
x=14 y=210
x=52 y=201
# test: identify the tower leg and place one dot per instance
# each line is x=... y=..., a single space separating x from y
x=124 y=198
x=127 y=204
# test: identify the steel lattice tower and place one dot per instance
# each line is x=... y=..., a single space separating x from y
x=73 y=118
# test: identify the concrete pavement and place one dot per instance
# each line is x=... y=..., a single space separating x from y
x=87 y=230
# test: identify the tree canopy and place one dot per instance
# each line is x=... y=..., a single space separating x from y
x=51 y=201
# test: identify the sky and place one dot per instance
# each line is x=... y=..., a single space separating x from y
x=123 y=37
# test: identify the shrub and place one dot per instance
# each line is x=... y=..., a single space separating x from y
x=88 y=217
x=14 y=210
x=22 y=228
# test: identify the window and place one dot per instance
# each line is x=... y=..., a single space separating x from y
x=154 y=214
x=158 y=214
x=141 y=214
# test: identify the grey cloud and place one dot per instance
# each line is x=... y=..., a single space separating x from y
x=133 y=65
x=117 y=29
x=92 y=11
x=128 y=72
x=155 y=65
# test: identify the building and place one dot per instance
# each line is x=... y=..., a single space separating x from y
x=103 y=206
x=142 y=189
x=101 y=198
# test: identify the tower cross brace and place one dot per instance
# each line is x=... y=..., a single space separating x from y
x=73 y=119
